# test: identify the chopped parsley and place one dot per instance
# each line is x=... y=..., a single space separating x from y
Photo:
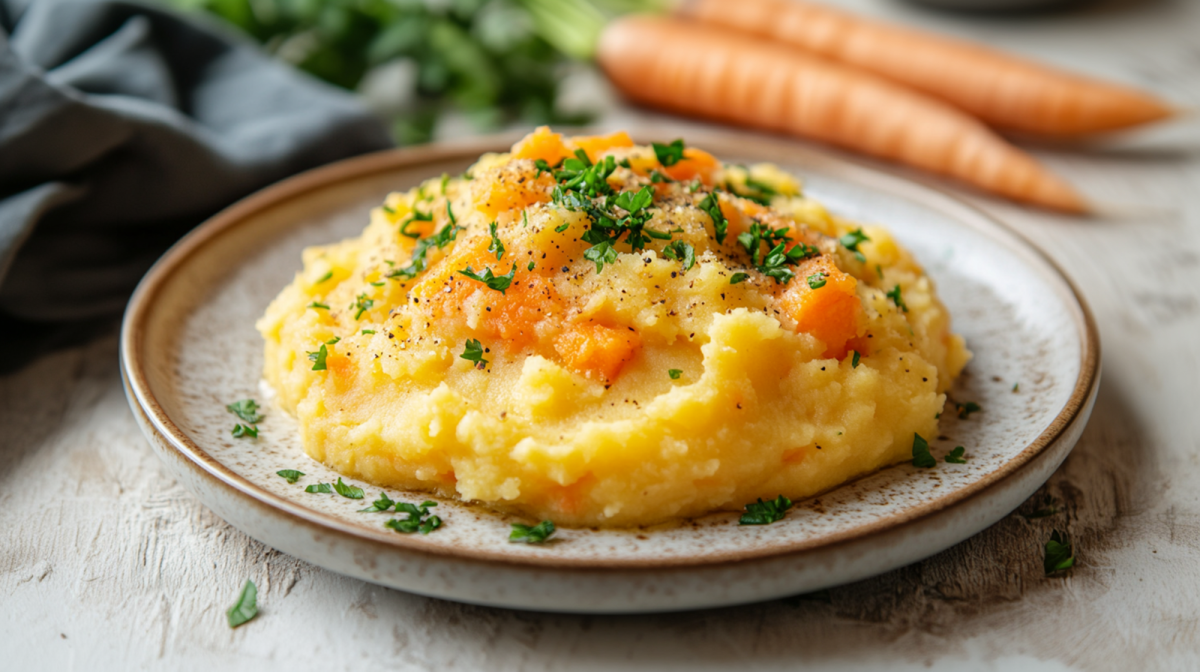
x=965 y=410
x=347 y=491
x=368 y=331
x=524 y=218
x=737 y=277
x=712 y=206
x=1059 y=554
x=1016 y=387
x=290 y=474
x=920 y=452
x=497 y=247
x=852 y=240
x=242 y=431
x=333 y=340
x=894 y=295
x=817 y=280
x=382 y=504
x=361 y=305
x=317 y=305
x=450 y=212
x=532 y=534
x=659 y=178
x=246 y=606
x=531 y=266
x=318 y=358
x=416 y=216
x=420 y=254
x=418 y=519
x=681 y=251
x=500 y=283
x=765 y=513
x=674 y=373
x=474 y=353
x=320 y=489
x=323 y=278
x=562 y=227
x=246 y=409
x=854 y=360
x=957 y=456
x=778 y=257
x=759 y=192
x=668 y=155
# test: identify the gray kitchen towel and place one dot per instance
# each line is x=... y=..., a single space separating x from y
x=122 y=126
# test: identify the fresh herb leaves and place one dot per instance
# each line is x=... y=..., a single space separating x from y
x=670 y=154
x=246 y=607
x=347 y=491
x=854 y=360
x=681 y=251
x=765 y=513
x=532 y=534
x=1059 y=554
x=816 y=280
x=965 y=410
x=497 y=247
x=738 y=277
x=420 y=254
x=957 y=456
x=712 y=206
x=418 y=519
x=240 y=431
x=320 y=489
x=852 y=240
x=674 y=373
x=500 y=283
x=920 y=452
x=316 y=305
x=474 y=353
x=384 y=503
x=778 y=257
x=894 y=295
x=416 y=216
x=323 y=278
x=318 y=358
x=290 y=474
x=361 y=305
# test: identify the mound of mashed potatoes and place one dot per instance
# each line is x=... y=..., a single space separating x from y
x=604 y=334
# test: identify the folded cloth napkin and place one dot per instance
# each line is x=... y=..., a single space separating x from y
x=122 y=126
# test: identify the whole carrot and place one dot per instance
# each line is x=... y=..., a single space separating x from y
x=1007 y=92
x=713 y=73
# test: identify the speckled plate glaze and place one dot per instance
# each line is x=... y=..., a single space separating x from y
x=189 y=347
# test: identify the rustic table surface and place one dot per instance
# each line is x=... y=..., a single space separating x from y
x=107 y=563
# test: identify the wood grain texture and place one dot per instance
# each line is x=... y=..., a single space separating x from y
x=108 y=564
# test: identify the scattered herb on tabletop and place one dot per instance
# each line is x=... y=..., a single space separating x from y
x=246 y=607
x=674 y=373
x=765 y=513
x=532 y=534
x=384 y=503
x=474 y=353
x=965 y=410
x=957 y=456
x=1059 y=554
x=290 y=474
x=320 y=489
x=418 y=519
x=920 y=452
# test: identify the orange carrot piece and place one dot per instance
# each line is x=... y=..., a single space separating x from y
x=595 y=145
x=831 y=312
x=591 y=348
x=696 y=163
x=542 y=143
x=1002 y=90
x=708 y=72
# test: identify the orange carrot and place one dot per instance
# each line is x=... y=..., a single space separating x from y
x=708 y=72
x=1002 y=90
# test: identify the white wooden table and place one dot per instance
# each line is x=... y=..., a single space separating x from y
x=107 y=564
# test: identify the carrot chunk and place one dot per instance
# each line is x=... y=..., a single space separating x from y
x=542 y=144
x=696 y=163
x=594 y=349
x=831 y=311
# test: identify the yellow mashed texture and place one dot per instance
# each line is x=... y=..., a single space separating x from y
x=654 y=388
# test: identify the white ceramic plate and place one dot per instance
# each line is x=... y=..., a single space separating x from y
x=189 y=348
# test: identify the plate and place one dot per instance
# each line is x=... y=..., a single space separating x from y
x=189 y=347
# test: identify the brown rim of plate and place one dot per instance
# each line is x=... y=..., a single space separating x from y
x=132 y=332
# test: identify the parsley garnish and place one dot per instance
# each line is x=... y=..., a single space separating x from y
x=531 y=266
x=420 y=253
x=316 y=305
x=1016 y=387
x=416 y=216
x=417 y=520
x=765 y=513
x=816 y=280
x=759 y=192
x=347 y=491
x=957 y=456
x=382 y=504
x=362 y=304
x=852 y=240
x=323 y=278
x=562 y=227
x=668 y=155
x=499 y=283
x=532 y=534
x=318 y=358
x=674 y=373
x=658 y=178
x=1059 y=554
x=320 y=489
x=368 y=331
x=333 y=340
x=246 y=607
x=450 y=212
x=894 y=295
x=240 y=431
x=920 y=452
x=290 y=474
x=682 y=251
x=965 y=410
x=246 y=409
x=854 y=360
x=497 y=247
x=474 y=353
x=737 y=277
x=778 y=257
x=712 y=205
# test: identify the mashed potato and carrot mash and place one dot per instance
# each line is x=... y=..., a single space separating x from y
x=605 y=334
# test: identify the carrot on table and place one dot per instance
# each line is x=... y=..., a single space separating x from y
x=1005 y=91
x=708 y=72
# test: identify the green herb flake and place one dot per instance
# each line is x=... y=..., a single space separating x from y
x=879 y=271
x=738 y=277
x=1016 y=387
x=333 y=340
x=712 y=206
x=246 y=607
x=317 y=305
x=290 y=474
x=368 y=331
x=894 y=295
x=852 y=240
x=418 y=519
x=681 y=251
x=474 y=353
x=420 y=255
x=497 y=247
x=525 y=218
x=957 y=456
x=965 y=410
x=320 y=489
x=318 y=358
x=380 y=505
x=562 y=227
x=668 y=155
x=246 y=409
x=816 y=280
x=531 y=266
x=1059 y=554
x=531 y=534
x=450 y=213
x=242 y=431
x=674 y=373
x=500 y=283
x=855 y=359
x=347 y=491
x=361 y=305
x=323 y=278
x=920 y=451
x=765 y=513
